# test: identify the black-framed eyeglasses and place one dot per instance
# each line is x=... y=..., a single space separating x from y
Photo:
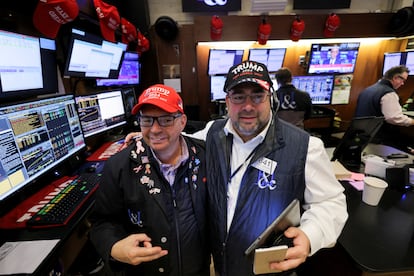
x=164 y=121
x=401 y=78
x=256 y=98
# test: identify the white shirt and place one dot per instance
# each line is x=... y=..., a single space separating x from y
x=392 y=111
x=325 y=203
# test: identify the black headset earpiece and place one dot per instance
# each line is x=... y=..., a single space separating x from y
x=274 y=101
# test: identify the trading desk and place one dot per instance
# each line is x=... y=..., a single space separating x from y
x=72 y=236
x=380 y=239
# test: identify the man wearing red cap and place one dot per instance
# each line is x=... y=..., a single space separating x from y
x=150 y=211
x=257 y=164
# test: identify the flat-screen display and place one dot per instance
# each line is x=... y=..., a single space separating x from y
x=101 y=112
x=35 y=137
x=398 y=58
x=357 y=136
x=319 y=87
x=27 y=66
x=129 y=74
x=327 y=58
x=217 y=88
x=90 y=56
x=220 y=61
x=272 y=58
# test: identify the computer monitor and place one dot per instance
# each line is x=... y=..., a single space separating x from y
x=35 y=137
x=90 y=56
x=272 y=58
x=329 y=58
x=398 y=58
x=217 y=88
x=28 y=66
x=220 y=61
x=129 y=74
x=360 y=132
x=319 y=87
x=101 y=112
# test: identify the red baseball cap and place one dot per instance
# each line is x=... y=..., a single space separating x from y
x=162 y=96
x=49 y=15
x=129 y=32
x=109 y=19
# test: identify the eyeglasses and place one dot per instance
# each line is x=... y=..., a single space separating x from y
x=164 y=121
x=256 y=98
x=401 y=78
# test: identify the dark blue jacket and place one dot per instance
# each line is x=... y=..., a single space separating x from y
x=256 y=207
x=134 y=197
x=369 y=100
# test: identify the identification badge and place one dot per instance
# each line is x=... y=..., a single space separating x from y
x=266 y=165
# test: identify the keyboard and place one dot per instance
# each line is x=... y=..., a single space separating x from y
x=61 y=208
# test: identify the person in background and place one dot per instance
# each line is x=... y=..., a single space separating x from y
x=334 y=56
x=150 y=212
x=381 y=100
x=295 y=105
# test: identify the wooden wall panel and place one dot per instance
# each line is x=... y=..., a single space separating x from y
x=245 y=27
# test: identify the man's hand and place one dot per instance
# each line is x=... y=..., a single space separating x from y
x=136 y=249
x=294 y=255
x=130 y=138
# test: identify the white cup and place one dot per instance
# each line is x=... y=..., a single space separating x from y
x=373 y=190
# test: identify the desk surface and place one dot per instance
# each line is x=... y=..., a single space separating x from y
x=381 y=238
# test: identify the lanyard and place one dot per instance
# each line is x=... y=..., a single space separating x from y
x=243 y=164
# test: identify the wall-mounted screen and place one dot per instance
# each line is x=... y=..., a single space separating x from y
x=27 y=66
x=319 y=87
x=272 y=58
x=91 y=56
x=217 y=88
x=398 y=58
x=220 y=61
x=101 y=112
x=326 y=58
x=35 y=137
x=129 y=74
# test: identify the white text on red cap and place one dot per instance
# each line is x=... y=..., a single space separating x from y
x=63 y=14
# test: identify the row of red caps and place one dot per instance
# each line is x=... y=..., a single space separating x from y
x=50 y=15
x=263 y=33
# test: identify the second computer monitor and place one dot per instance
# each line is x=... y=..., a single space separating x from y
x=319 y=87
x=101 y=112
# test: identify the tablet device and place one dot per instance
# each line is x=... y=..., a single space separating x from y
x=273 y=234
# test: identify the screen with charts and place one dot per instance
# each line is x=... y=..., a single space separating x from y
x=216 y=88
x=90 y=56
x=28 y=66
x=35 y=137
x=319 y=87
x=272 y=58
x=398 y=58
x=101 y=112
x=129 y=74
x=220 y=61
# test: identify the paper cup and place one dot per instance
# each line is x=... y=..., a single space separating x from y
x=373 y=190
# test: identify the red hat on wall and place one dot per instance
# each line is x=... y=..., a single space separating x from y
x=129 y=32
x=49 y=15
x=216 y=27
x=332 y=23
x=109 y=19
